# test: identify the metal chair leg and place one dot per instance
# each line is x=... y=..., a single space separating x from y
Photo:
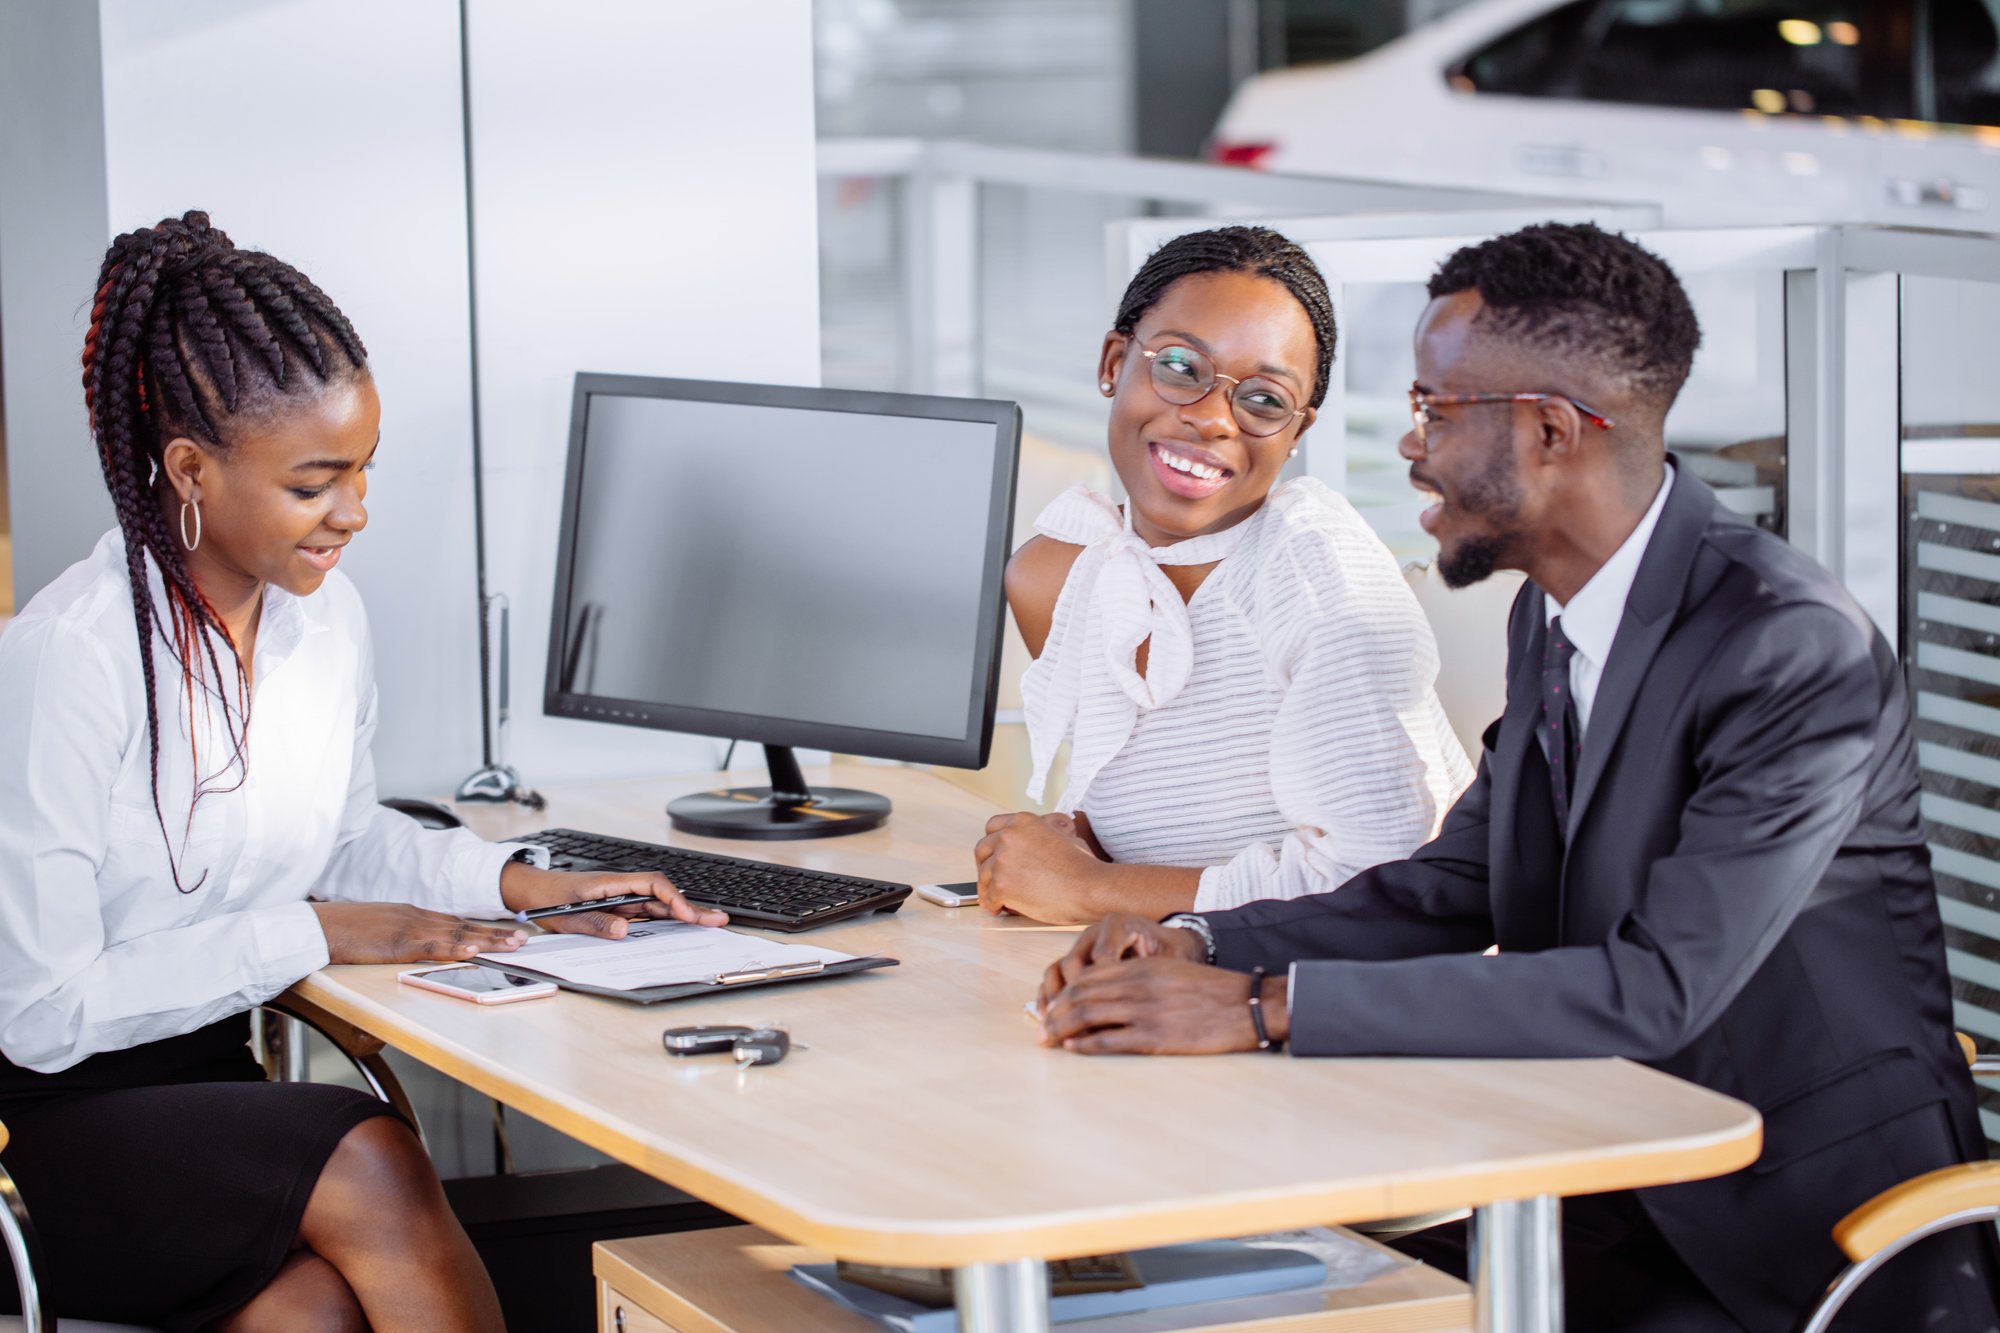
x=1851 y=1277
x=25 y=1252
x=363 y=1051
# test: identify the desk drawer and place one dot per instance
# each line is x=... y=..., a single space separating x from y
x=619 y=1313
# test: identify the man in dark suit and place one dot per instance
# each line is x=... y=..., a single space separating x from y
x=1694 y=833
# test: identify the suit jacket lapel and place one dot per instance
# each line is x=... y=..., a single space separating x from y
x=1649 y=614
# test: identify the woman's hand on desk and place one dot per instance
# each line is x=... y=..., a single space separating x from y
x=400 y=933
x=1049 y=868
x=1039 y=866
x=523 y=888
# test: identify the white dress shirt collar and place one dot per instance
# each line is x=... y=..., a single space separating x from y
x=1590 y=618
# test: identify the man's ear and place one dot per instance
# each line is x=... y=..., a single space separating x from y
x=185 y=465
x=1560 y=428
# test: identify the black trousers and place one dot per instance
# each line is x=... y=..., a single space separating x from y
x=1621 y=1276
x=1619 y=1273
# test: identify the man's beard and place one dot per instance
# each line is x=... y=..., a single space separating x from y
x=1494 y=494
x=1471 y=561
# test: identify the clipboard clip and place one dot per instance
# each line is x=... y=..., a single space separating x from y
x=767 y=973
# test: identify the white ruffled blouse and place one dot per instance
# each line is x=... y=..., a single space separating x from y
x=1285 y=733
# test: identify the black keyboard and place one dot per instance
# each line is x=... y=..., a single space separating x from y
x=754 y=893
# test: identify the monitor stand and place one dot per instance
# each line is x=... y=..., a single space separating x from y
x=785 y=809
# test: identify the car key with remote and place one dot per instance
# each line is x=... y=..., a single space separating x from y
x=703 y=1039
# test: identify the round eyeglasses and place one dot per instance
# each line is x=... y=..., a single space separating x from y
x=1184 y=376
x=1421 y=403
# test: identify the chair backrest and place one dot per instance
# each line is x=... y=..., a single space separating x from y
x=1471 y=629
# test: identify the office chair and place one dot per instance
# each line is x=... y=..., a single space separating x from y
x=361 y=1050
x=1902 y=1215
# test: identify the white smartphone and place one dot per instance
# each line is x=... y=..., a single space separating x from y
x=481 y=985
x=950 y=895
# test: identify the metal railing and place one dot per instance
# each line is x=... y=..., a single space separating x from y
x=940 y=250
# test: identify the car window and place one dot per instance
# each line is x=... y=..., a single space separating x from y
x=1964 y=43
x=1813 y=57
x=1534 y=60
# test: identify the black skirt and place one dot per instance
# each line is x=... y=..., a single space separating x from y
x=166 y=1182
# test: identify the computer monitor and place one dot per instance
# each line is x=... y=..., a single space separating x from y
x=797 y=567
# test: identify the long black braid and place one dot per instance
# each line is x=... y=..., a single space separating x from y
x=1255 y=250
x=187 y=332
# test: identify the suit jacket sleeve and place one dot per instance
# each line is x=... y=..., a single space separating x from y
x=1783 y=737
x=1436 y=901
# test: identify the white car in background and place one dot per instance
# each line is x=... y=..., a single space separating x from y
x=1720 y=111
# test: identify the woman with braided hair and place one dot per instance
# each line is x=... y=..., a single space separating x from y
x=1245 y=681
x=191 y=827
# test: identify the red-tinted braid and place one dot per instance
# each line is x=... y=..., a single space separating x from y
x=177 y=307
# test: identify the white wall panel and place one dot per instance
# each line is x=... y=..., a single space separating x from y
x=52 y=238
x=328 y=133
x=643 y=186
x=645 y=204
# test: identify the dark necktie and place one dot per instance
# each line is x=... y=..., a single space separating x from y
x=1561 y=739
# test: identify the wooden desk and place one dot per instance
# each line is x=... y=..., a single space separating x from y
x=926 y=1126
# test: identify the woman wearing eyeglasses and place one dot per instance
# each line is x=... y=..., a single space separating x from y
x=1244 y=679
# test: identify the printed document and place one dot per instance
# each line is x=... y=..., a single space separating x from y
x=659 y=953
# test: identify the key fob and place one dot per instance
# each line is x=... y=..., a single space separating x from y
x=762 y=1046
x=706 y=1039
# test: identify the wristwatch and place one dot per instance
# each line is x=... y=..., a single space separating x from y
x=1197 y=924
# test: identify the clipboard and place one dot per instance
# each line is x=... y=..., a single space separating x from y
x=721 y=984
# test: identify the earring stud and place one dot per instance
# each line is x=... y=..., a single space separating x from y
x=1293 y=454
x=1104 y=386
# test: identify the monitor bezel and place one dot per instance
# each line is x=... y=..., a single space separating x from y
x=969 y=750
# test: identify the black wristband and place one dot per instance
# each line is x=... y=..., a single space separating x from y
x=1264 y=1042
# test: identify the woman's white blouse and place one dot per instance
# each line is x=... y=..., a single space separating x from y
x=1286 y=733
x=98 y=951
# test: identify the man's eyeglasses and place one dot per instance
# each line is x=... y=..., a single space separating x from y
x=1184 y=376
x=1421 y=404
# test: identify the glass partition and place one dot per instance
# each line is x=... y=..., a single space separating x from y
x=1950 y=459
x=1729 y=424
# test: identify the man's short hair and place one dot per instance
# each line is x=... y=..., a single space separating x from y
x=1578 y=290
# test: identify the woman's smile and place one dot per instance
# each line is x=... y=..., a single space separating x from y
x=322 y=558
x=1193 y=474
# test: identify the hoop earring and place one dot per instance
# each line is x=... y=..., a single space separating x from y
x=194 y=541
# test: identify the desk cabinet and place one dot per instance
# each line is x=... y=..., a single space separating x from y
x=619 y=1313
x=733 y=1280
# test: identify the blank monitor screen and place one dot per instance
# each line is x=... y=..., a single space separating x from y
x=786 y=568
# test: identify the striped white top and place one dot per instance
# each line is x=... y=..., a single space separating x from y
x=1286 y=733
